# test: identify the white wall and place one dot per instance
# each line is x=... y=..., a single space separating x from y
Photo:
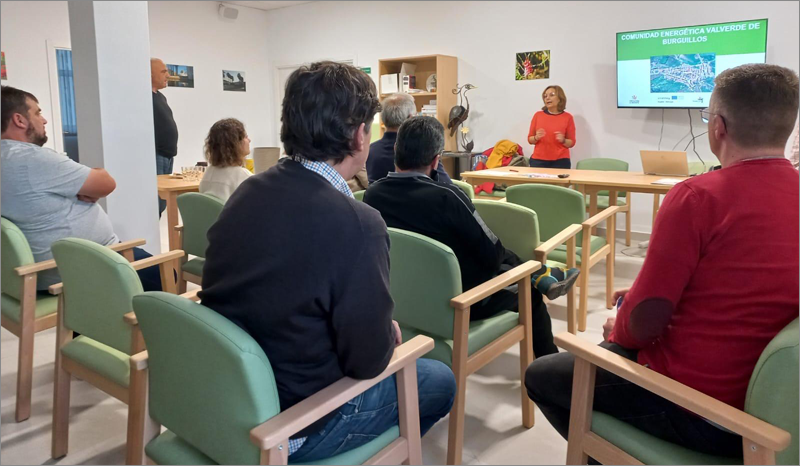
x=181 y=33
x=191 y=33
x=25 y=27
x=485 y=37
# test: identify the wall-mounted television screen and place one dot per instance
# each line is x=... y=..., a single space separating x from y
x=676 y=67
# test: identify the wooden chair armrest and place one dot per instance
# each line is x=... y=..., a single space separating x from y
x=470 y=297
x=559 y=239
x=599 y=217
x=56 y=289
x=178 y=227
x=139 y=360
x=281 y=427
x=159 y=259
x=125 y=245
x=130 y=318
x=192 y=295
x=51 y=264
x=749 y=427
x=35 y=267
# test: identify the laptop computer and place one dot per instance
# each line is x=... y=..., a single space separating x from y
x=664 y=162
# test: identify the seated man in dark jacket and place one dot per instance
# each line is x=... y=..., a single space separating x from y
x=395 y=109
x=410 y=200
x=303 y=267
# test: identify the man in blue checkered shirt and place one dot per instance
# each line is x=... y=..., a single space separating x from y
x=303 y=267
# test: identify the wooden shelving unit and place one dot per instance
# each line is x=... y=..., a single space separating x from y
x=446 y=69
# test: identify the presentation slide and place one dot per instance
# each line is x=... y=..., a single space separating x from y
x=676 y=67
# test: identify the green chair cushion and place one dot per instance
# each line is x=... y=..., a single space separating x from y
x=602 y=202
x=359 y=195
x=45 y=305
x=560 y=253
x=199 y=211
x=495 y=193
x=481 y=333
x=168 y=448
x=194 y=266
x=649 y=449
x=100 y=358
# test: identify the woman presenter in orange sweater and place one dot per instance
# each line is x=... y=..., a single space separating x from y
x=552 y=131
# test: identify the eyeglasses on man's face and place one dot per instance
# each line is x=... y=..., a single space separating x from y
x=705 y=114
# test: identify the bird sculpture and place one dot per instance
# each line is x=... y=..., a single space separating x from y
x=459 y=114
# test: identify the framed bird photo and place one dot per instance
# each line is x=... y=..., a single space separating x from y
x=532 y=65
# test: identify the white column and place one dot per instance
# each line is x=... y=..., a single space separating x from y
x=113 y=99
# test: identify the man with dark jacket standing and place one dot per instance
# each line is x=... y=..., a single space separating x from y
x=166 y=131
x=303 y=267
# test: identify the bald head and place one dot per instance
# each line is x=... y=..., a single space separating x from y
x=158 y=74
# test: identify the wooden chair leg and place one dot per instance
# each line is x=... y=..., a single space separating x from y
x=455 y=435
x=408 y=412
x=141 y=427
x=25 y=356
x=757 y=454
x=628 y=225
x=580 y=414
x=526 y=355
x=611 y=238
x=584 y=279
x=61 y=413
x=61 y=389
x=277 y=455
x=572 y=312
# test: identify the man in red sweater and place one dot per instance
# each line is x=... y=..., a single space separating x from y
x=706 y=303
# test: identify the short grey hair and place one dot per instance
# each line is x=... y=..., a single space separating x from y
x=396 y=109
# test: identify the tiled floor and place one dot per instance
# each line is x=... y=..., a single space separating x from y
x=494 y=432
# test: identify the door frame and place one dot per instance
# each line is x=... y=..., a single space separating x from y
x=55 y=96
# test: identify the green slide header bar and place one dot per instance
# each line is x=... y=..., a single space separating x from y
x=722 y=39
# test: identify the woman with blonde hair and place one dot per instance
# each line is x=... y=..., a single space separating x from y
x=227 y=144
x=552 y=131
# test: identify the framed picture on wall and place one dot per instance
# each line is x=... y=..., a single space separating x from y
x=233 y=81
x=532 y=65
x=3 y=74
x=180 y=76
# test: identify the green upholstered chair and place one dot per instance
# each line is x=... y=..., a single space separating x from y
x=558 y=208
x=24 y=311
x=95 y=297
x=212 y=387
x=768 y=424
x=518 y=229
x=199 y=212
x=623 y=198
x=359 y=195
x=466 y=187
x=426 y=287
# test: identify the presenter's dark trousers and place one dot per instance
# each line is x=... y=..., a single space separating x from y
x=163 y=167
x=559 y=163
x=549 y=384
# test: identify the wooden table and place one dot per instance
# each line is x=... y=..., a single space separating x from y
x=169 y=189
x=587 y=181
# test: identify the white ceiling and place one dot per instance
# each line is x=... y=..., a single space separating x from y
x=267 y=5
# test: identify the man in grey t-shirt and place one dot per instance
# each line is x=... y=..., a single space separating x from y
x=46 y=194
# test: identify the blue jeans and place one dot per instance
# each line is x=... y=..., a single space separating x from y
x=559 y=163
x=151 y=276
x=373 y=412
x=163 y=167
